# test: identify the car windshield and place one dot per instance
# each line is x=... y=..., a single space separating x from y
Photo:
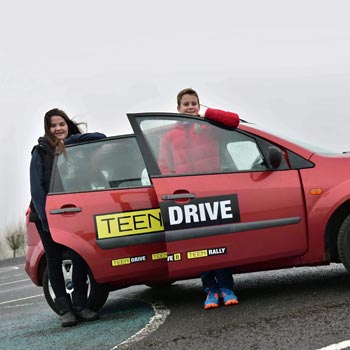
x=298 y=141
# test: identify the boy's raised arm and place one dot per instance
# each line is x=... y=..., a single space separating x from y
x=227 y=118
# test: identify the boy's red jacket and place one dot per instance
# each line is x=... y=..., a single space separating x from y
x=227 y=118
x=178 y=154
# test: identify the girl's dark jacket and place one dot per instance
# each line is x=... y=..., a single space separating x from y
x=40 y=173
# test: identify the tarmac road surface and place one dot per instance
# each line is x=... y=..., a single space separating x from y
x=301 y=309
x=28 y=323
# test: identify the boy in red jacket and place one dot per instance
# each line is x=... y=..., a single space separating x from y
x=177 y=156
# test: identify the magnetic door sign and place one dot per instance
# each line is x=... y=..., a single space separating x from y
x=128 y=223
x=201 y=212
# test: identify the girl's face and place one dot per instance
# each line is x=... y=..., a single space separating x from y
x=189 y=105
x=58 y=127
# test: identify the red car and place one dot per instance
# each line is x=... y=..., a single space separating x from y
x=274 y=203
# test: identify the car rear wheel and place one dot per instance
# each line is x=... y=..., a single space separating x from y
x=344 y=243
x=97 y=293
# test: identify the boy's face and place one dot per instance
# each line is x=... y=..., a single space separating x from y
x=189 y=105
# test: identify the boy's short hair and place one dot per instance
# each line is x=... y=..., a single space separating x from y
x=187 y=91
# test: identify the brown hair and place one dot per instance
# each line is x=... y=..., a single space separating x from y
x=73 y=127
x=187 y=91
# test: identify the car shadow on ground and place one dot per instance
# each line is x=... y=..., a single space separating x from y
x=290 y=284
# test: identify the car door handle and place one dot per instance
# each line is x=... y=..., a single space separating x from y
x=168 y=197
x=65 y=210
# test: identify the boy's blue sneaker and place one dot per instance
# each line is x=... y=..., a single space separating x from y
x=212 y=300
x=228 y=296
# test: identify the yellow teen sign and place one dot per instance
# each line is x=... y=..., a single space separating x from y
x=128 y=223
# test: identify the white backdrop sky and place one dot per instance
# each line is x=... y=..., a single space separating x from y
x=277 y=63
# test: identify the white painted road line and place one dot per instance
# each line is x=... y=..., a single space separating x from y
x=21 y=299
x=11 y=276
x=19 y=281
x=339 y=346
x=161 y=313
x=7 y=269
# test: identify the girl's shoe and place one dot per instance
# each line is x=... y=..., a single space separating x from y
x=86 y=315
x=68 y=319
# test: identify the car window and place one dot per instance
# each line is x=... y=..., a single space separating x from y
x=194 y=146
x=94 y=166
x=245 y=155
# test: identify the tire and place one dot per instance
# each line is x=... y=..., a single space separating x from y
x=97 y=293
x=344 y=243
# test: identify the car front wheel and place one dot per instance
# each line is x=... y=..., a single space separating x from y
x=344 y=243
x=97 y=294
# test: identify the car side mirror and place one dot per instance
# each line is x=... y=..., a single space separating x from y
x=275 y=157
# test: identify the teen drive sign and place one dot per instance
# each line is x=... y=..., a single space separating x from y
x=201 y=212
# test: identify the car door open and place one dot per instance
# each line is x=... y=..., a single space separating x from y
x=224 y=201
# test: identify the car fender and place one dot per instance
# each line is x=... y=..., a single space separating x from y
x=81 y=245
x=34 y=264
x=319 y=211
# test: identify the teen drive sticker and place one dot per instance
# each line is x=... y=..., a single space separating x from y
x=201 y=212
x=129 y=260
x=128 y=223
